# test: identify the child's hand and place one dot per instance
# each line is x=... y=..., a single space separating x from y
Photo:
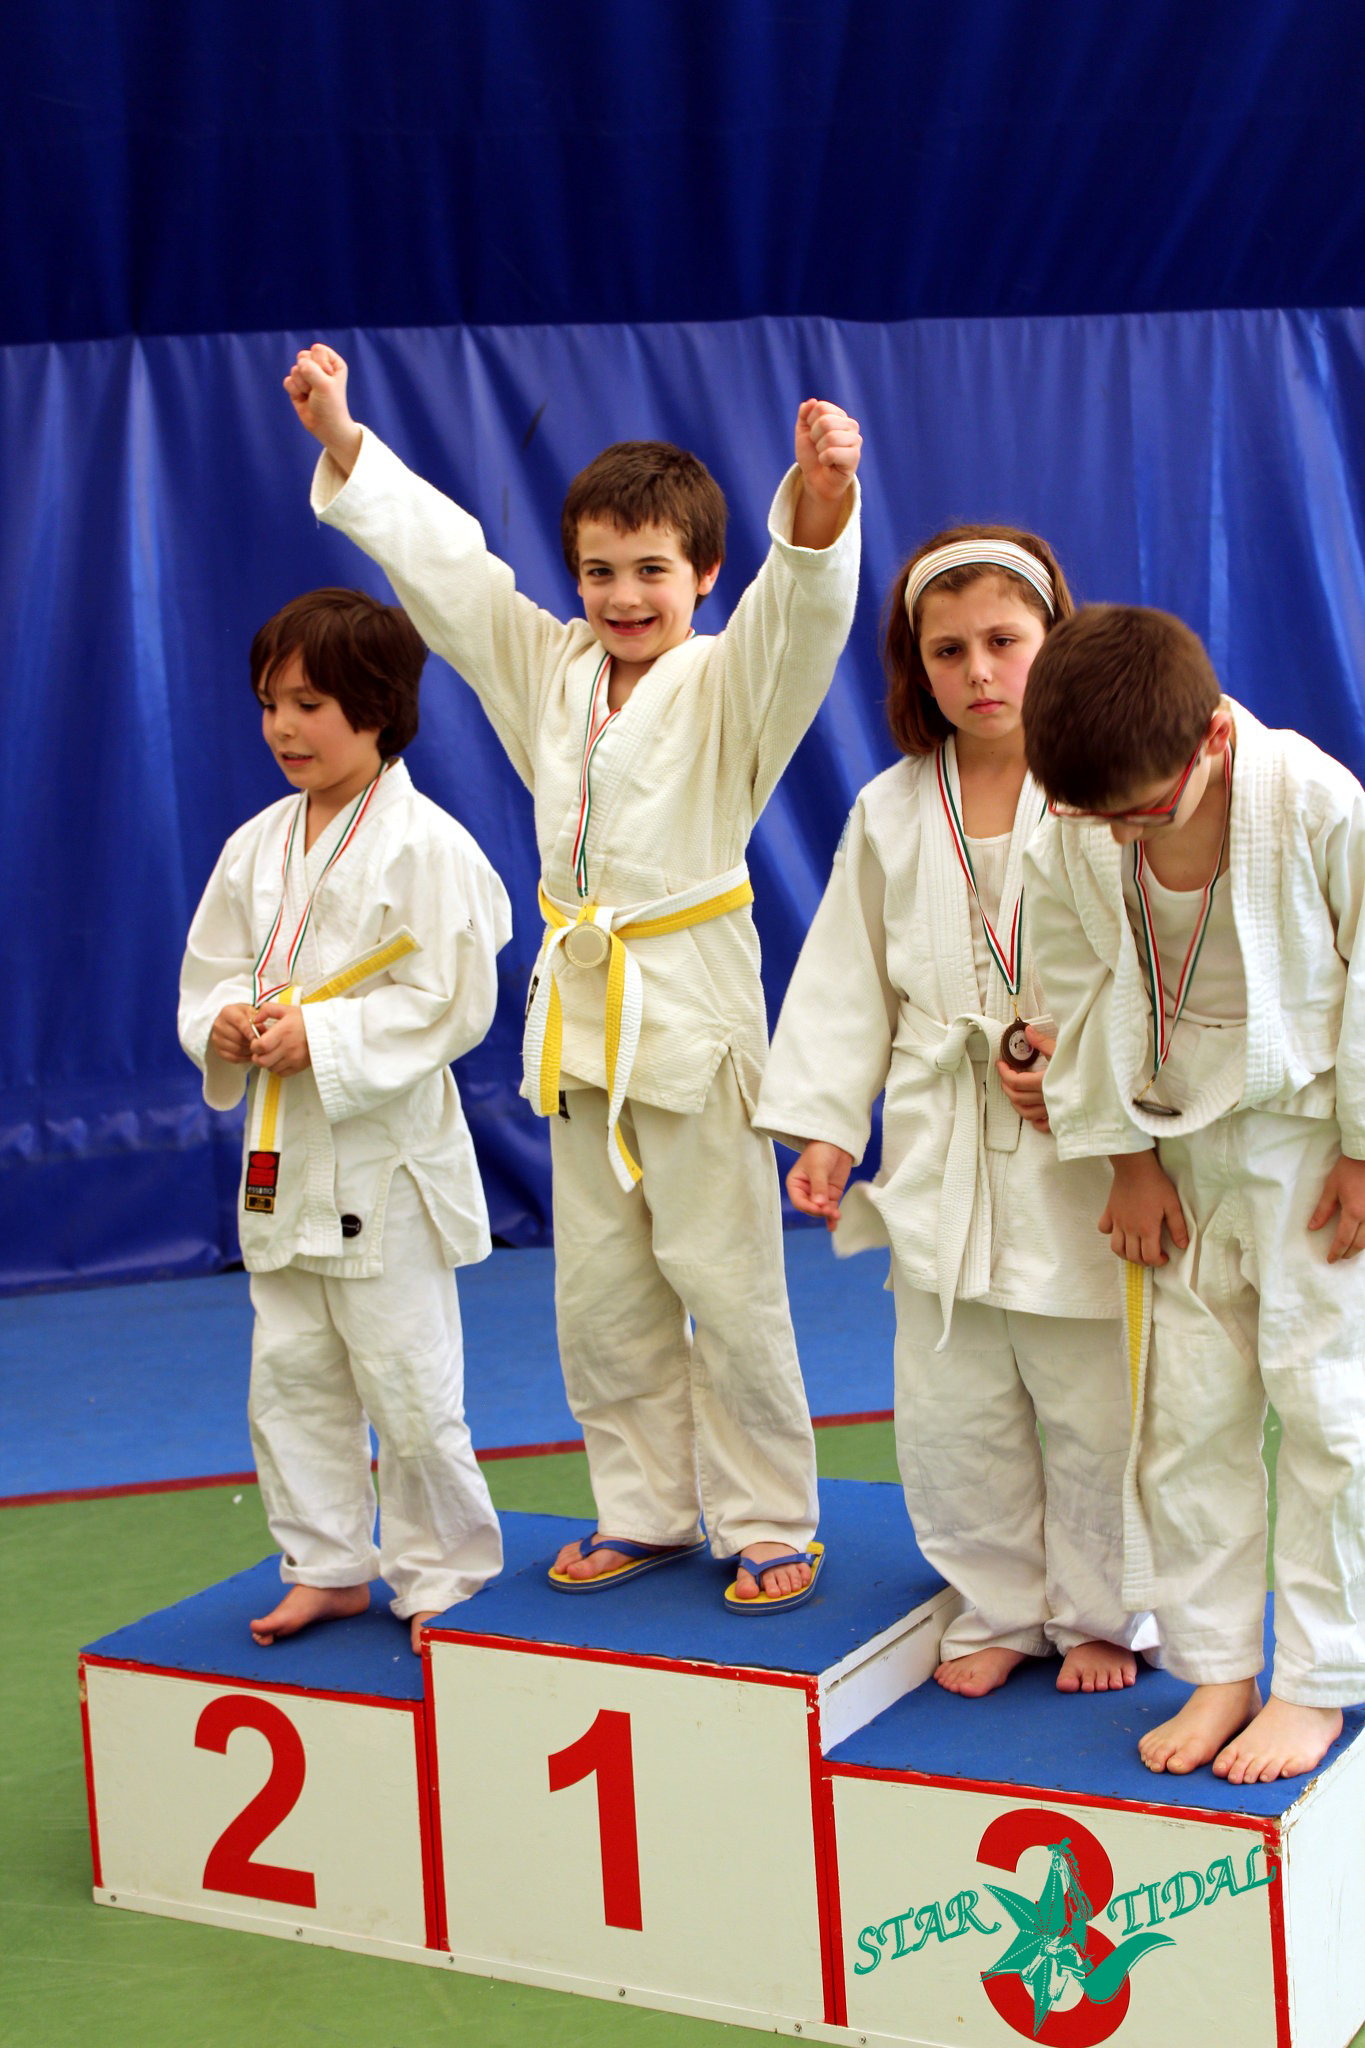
x=1344 y=1190
x=816 y=1183
x=1142 y=1200
x=317 y=391
x=282 y=1047
x=828 y=445
x=1025 y=1090
x=231 y=1036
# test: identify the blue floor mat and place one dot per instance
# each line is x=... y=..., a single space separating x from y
x=127 y=1386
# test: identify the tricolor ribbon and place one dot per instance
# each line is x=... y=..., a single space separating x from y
x=592 y=733
x=1163 y=1029
x=1006 y=957
x=259 y=992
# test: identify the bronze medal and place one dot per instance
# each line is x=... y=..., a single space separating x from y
x=587 y=945
x=1015 y=1049
x=1155 y=1108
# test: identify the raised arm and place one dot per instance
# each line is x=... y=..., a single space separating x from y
x=463 y=600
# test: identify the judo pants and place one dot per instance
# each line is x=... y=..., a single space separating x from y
x=1033 y=1542
x=1252 y=1309
x=328 y=1357
x=676 y=1420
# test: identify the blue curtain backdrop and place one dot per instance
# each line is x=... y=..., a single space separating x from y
x=155 y=512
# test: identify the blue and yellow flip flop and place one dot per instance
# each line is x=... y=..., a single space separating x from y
x=643 y=1558
x=771 y=1603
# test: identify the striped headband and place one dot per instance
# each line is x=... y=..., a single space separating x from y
x=962 y=554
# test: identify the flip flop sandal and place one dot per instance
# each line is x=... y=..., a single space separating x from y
x=769 y=1603
x=643 y=1558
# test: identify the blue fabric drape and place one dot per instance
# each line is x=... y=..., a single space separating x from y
x=214 y=168
x=155 y=513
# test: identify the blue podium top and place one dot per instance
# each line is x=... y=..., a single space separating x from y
x=873 y=1575
x=1028 y=1733
x=369 y=1654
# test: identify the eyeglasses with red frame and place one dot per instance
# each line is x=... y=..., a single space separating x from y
x=1150 y=814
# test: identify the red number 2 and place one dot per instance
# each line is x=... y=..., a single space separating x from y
x=230 y=1868
x=605 y=1749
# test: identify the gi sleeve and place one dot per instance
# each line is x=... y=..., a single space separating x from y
x=436 y=1004
x=831 y=1051
x=216 y=971
x=785 y=637
x=1339 y=858
x=463 y=600
x=1084 y=1107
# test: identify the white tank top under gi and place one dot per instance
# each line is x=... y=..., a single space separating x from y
x=1212 y=1028
x=990 y=858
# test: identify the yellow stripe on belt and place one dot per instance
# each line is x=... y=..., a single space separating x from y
x=623 y=1006
x=362 y=968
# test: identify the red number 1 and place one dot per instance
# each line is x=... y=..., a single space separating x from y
x=605 y=1749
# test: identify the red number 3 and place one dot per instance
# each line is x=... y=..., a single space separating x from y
x=230 y=1867
x=1002 y=1845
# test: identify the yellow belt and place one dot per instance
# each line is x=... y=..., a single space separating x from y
x=623 y=1007
x=348 y=977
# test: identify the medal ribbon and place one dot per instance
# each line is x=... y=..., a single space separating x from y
x=592 y=733
x=1163 y=1032
x=1006 y=958
x=259 y=992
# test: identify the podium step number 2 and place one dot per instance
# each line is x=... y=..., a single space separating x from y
x=292 y=1813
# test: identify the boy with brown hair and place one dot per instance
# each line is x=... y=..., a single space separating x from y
x=1195 y=898
x=650 y=752
x=343 y=954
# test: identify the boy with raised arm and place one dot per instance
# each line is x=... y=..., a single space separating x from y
x=343 y=954
x=1196 y=900
x=650 y=752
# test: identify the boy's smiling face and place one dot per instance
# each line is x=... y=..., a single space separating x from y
x=639 y=590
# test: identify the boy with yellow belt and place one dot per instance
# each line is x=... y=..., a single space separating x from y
x=650 y=752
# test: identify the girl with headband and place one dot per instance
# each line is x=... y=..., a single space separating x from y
x=916 y=980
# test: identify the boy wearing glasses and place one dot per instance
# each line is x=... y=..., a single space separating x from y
x=1194 y=899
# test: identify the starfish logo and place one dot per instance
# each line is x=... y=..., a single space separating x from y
x=1048 y=1951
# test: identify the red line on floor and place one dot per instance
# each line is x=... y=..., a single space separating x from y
x=547 y=1450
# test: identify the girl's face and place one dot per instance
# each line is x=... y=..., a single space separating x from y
x=977 y=646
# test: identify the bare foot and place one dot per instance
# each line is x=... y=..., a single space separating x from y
x=574 y=1565
x=788 y=1578
x=1210 y=1717
x=1097 y=1667
x=419 y=1622
x=979 y=1672
x=1283 y=1741
x=303 y=1605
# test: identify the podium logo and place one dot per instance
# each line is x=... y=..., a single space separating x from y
x=1056 y=1947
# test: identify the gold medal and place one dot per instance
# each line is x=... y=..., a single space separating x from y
x=587 y=945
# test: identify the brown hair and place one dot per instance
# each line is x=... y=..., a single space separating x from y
x=367 y=655
x=917 y=724
x=649 y=483
x=1118 y=696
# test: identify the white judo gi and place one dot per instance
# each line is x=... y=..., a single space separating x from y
x=378 y=1193
x=1251 y=1308
x=671 y=1421
x=991 y=1238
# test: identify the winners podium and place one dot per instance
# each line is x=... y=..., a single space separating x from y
x=770 y=1821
